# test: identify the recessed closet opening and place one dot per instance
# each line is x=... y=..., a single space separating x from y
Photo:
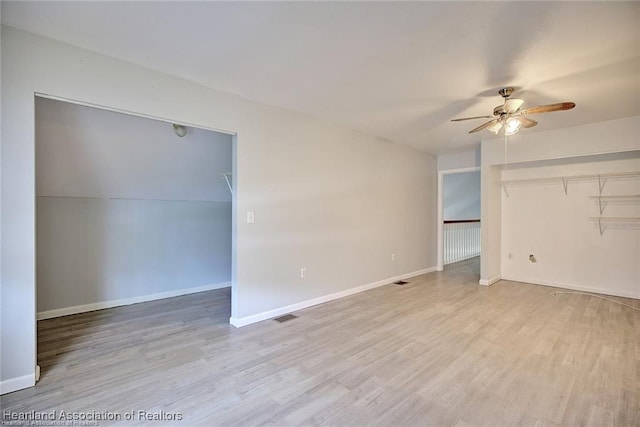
x=573 y=223
x=129 y=209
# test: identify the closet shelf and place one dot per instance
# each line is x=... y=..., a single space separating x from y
x=603 y=220
x=564 y=180
x=603 y=201
x=127 y=198
x=574 y=178
x=619 y=197
x=614 y=219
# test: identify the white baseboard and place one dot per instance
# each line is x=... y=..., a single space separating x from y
x=19 y=383
x=489 y=282
x=572 y=287
x=127 y=301
x=254 y=318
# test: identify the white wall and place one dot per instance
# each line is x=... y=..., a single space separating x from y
x=491 y=219
x=459 y=160
x=572 y=145
x=126 y=209
x=539 y=219
x=461 y=195
x=612 y=136
x=326 y=198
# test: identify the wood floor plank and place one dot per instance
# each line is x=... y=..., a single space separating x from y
x=440 y=350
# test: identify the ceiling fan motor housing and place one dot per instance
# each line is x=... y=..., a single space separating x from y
x=506 y=91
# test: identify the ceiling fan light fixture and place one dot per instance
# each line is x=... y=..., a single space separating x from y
x=495 y=127
x=512 y=126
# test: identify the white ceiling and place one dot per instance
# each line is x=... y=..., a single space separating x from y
x=396 y=70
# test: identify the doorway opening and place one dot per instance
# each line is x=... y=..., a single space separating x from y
x=459 y=213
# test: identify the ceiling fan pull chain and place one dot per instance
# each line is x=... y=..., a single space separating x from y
x=506 y=159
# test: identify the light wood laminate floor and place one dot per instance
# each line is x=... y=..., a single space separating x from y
x=440 y=350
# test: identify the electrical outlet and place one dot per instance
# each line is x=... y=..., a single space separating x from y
x=393 y=257
x=250 y=217
x=303 y=272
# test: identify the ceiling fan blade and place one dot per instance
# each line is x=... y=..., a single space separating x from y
x=561 y=106
x=511 y=105
x=471 y=118
x=484 y=126
x=527 y=122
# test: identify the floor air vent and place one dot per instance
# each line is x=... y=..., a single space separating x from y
x=285 y=318
x=400 y=282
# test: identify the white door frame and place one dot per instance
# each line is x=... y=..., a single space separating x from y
x=440 y=239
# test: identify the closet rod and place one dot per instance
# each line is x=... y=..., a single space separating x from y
x=132 y=198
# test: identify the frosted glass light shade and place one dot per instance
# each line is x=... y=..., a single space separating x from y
x=512 y=126
x=495 y=127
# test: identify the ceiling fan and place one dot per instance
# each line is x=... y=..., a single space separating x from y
x=511 y=117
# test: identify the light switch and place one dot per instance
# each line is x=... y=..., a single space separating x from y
x=250 y=217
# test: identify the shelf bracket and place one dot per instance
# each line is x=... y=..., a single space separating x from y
x=226 y=178
x=565 y=184
x=504 y=187
x=601 y=183
x=602 y=205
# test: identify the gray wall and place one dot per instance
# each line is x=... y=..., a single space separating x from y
x=461 y=195
x=125 y=208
